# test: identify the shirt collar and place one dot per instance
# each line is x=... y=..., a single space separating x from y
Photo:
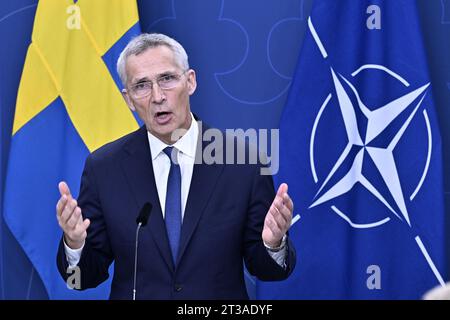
x=187 y=144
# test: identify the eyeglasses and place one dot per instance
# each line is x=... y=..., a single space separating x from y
x=165 y=82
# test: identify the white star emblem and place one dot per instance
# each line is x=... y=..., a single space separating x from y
x=378 y=121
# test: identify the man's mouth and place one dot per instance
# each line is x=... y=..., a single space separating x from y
x=163 y=117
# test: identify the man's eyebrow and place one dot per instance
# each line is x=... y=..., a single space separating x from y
x=144 y=79
x=162 y=74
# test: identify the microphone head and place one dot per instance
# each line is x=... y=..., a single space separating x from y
x=144 y=214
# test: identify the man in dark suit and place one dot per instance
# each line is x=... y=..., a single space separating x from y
x=206 y=219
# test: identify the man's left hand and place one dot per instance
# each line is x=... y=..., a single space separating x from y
x=278 y=218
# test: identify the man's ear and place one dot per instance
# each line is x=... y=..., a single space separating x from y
x=127 y=98
x=191 y=81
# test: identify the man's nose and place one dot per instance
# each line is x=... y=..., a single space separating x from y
x=158 y=94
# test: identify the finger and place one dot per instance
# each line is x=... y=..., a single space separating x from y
x=68 y=210
x=286 y=213
x=285 y=203
x=288 y=202
x=282 y=223
x=276 y=217
x=273 y=227
x=75 y=219
x=286 y=209
x=64 y=189
x=86 y=223
x=282 y=196
x=81 y=229
x=283 y=188
x=281 y=214
x=61 y=204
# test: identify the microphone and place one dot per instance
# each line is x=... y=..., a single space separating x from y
x=141 y=221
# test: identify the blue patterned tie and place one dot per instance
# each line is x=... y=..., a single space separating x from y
x=173 y=205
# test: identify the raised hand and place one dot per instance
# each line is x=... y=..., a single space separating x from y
x=278 y=218
x=70 y=219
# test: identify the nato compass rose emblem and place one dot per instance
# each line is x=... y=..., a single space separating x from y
x=337 y=184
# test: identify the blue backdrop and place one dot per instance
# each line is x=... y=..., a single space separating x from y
x=244 y=53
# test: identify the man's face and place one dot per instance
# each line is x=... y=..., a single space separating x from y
x=162 y=111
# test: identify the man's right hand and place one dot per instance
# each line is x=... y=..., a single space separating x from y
x=70 y=219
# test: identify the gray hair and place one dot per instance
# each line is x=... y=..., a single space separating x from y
x=150 y=40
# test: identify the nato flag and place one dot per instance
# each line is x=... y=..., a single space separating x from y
x=361 y=151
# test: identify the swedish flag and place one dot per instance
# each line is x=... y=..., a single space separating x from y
x=68 y=105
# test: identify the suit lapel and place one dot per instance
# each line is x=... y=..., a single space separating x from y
x=138 y=168
x=204 y=178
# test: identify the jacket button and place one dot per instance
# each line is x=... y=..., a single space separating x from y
x=178 y=287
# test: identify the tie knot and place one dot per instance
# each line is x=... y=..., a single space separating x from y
x=169 y=151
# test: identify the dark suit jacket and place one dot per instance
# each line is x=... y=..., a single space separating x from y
x=222 y=227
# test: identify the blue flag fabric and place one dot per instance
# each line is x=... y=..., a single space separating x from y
x=361 y=152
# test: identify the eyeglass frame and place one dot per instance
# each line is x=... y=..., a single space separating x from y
x=130 y=89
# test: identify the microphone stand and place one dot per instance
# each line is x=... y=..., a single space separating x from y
x=135 y=259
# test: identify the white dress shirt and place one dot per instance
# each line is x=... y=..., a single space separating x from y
x=186 y=148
